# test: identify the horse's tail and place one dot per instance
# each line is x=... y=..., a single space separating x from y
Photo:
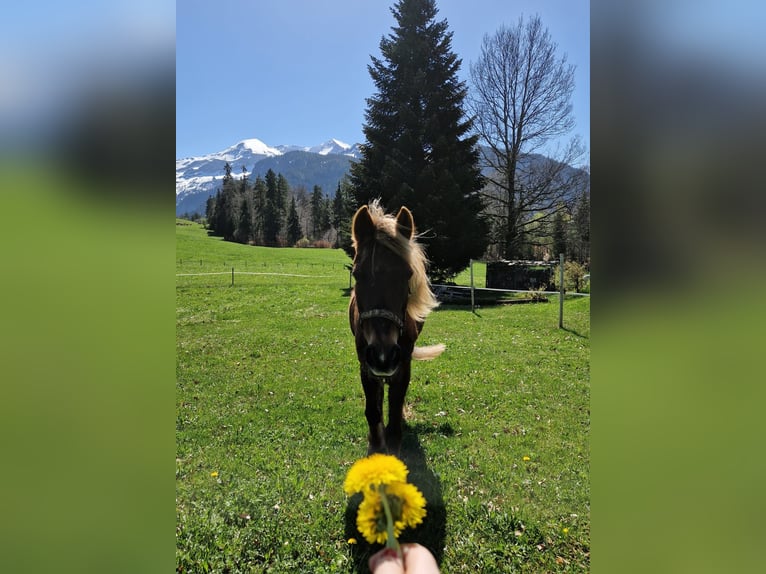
x=428 y=353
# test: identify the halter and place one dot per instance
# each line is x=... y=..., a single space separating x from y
x=383 y=314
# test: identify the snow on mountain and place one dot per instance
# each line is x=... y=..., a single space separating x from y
x=331 y=146
x=256 y=147
x=198 y=177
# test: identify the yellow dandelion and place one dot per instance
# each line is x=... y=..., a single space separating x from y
x=565 y=530
x=405 y=502
x=373 y=471
x=408 y=506
x=352 y=541
x=525 y=458
x=214 y=474
x=371 y=519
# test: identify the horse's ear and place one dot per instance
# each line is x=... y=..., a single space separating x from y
x=362 y=226
x=405 y=222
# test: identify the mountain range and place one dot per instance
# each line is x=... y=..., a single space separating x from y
x=325 y=164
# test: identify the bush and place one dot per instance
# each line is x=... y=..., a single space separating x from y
x=573 y=277
x=322 y=244
x=303 y=242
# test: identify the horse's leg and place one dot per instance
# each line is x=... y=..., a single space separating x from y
x=396 y=392
x=373 y=393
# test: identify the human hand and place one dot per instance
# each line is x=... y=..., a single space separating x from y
x=416 y=560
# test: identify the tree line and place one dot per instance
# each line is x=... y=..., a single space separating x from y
x=268 y=212
x=473 y=165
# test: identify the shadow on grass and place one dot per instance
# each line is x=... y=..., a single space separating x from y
x=575 y=333
x=432 y=532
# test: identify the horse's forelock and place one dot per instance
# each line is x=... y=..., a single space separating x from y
x=421 y=300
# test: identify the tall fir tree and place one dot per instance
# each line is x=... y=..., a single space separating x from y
x=272 y=217
x=418 y=151
x=283 y=193
x=294 y=230
x=325 y=223
x=259 y=210
x=228 y=204
x=343 y=207
x=244 y=229
x=210 y=211
x=317 y=205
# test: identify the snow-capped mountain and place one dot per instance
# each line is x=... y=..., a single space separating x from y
x=325 y=164
x=332 y=146
x=336 y=146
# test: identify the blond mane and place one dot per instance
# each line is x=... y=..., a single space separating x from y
x=421 y=300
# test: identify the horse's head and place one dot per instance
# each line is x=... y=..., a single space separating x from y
x=382 y=272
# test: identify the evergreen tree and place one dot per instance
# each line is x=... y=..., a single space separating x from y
x=317 y=205
x=559 y=234
x=244 y=229
x=243 y=183
x=325 y=221
x=210 y=211
x=283 y=193
x=343 y=208
x=294 y=230
x=259 y=210
x=418 y=152
x=272 y=213
x=228 y=205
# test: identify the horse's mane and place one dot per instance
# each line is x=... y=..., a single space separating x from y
x=421 y=300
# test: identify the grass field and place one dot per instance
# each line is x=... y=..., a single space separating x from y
x=270 y=416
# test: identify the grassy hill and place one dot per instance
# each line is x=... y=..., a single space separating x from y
x=270 y=416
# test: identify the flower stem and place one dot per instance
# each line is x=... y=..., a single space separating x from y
x=391 y=541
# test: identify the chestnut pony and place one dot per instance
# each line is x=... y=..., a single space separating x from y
x=389 y=304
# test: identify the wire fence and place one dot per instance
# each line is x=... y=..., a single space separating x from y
x=189 y=267
x=470 y=290
x=245 y=264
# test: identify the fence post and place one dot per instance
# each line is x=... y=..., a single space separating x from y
x=561 y=290
x=232 y=276
x=473 y=306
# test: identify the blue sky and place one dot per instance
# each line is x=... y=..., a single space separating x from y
x=295 y=71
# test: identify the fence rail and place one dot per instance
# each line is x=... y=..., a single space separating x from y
x=281 y=269
x=253 y=273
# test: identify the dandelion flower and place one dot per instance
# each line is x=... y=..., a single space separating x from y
x=411 y=505
x=525 y=458
x=352 y=541
x=373 y=471
x=405 y=502
x=565 y=530
x=214 y=474
x=371 y=519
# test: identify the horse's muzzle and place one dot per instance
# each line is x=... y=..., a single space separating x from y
x=383 y=361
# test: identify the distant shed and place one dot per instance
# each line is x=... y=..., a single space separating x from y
x=520 y=275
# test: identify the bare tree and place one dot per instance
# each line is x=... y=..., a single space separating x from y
x=521 y=100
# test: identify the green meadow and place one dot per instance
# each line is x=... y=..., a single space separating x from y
x=270 y=416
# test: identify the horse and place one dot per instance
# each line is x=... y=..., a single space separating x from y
x=389 y=303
